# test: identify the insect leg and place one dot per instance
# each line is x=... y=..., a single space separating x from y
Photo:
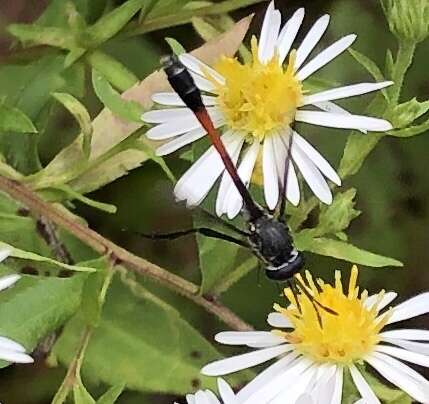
x=201 y=230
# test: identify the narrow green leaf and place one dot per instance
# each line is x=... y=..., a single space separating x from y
x=39 y=35
x=136 y=333
x=336 y=217
x=368 y=64
x=114 y=71
x=110 y=24
x=73 y=56
x=14 y=120
x=404 y=114
x=341 y=250
x=80 y=113
x=39 y=306
x=128 y=110
x=27 y=255
x=411 y=131
x=175 y=46
x=111 y=395
x=81 y=395
x=204 y=29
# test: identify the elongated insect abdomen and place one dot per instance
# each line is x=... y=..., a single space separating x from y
x=182 y=82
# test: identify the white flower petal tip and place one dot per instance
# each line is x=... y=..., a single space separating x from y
x=13 y=356
x=5 y=253
x=278 y=320
x=8 y=281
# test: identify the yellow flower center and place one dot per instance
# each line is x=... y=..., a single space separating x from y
x=346 y=337
x=258 y=98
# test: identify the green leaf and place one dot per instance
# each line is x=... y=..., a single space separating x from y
x=39 y=35
x=14 y=120
x=367 y=64
x=175 y=46
x=412 y=130
x=128 y=110
x=80 y=113
x=204 y=29
x=27 y=255
x=404 y=114
x=115 y=72
x=111 y=395
x=39 y=306
x=336 y=217
x=110 y=24
x=341 y=250
x=143 y=339
x=81 y=395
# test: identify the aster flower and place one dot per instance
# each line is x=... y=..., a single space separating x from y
x=10 y=350
x=208 y=397
x=311 y=358
x=255 y=105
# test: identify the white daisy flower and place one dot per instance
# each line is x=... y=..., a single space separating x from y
x=10 y=350
x=255 y=105
x=208 y=397
x=311 y=359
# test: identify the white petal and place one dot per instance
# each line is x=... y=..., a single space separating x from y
x=200 y=68
x=388 y=298
x=266 y=31
x=190 y=399
x=401 y=375
x=4 y=253
x=8 y=280
x=363 y=387
x=8 y=344
x=14 y=356
x=329 y=106
x=407 y=334
x=338 y=390
x=248 y=337
x=225 y=391
x=234 y=201
x=172 y=99
x=244 y=361
x=202 y=83
x=312 y=175
x=305 y=399
x=311 y=40
x=327 y=384
x=167 y=115
x=405 y=355
x=179 y=127
x=288 y=34
x=419 y=347
x=344 y=92
x=324 y=57
x=332 y=120
x=269 y=48
x=281 y=147
x=201 y=397
x=413 y=307
x=266 y=376
x=271 y=181
x=180 y=141
x=212 y=399
x=289 y=379
x=226 y=185
x=196 y=183
x=278 y=320
x=318 y=160
x=298 y=387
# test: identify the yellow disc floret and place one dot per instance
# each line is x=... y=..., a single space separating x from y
x=256 y=98
x=345 y=337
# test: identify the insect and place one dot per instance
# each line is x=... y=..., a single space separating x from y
x=267 y=235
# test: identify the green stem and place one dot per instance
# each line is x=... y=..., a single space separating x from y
x=184 y=17
x=404 y=58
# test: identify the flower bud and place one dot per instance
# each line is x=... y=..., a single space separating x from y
x=408 y=19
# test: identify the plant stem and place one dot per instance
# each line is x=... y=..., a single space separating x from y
x=73 y=371
x=404 y=58
x=104 y=246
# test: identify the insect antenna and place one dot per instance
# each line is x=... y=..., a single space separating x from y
x=294 y=292
x=184 y=85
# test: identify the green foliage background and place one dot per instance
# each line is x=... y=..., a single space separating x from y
x=143 y=332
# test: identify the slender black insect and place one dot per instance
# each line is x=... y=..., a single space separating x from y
x=268 y=236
